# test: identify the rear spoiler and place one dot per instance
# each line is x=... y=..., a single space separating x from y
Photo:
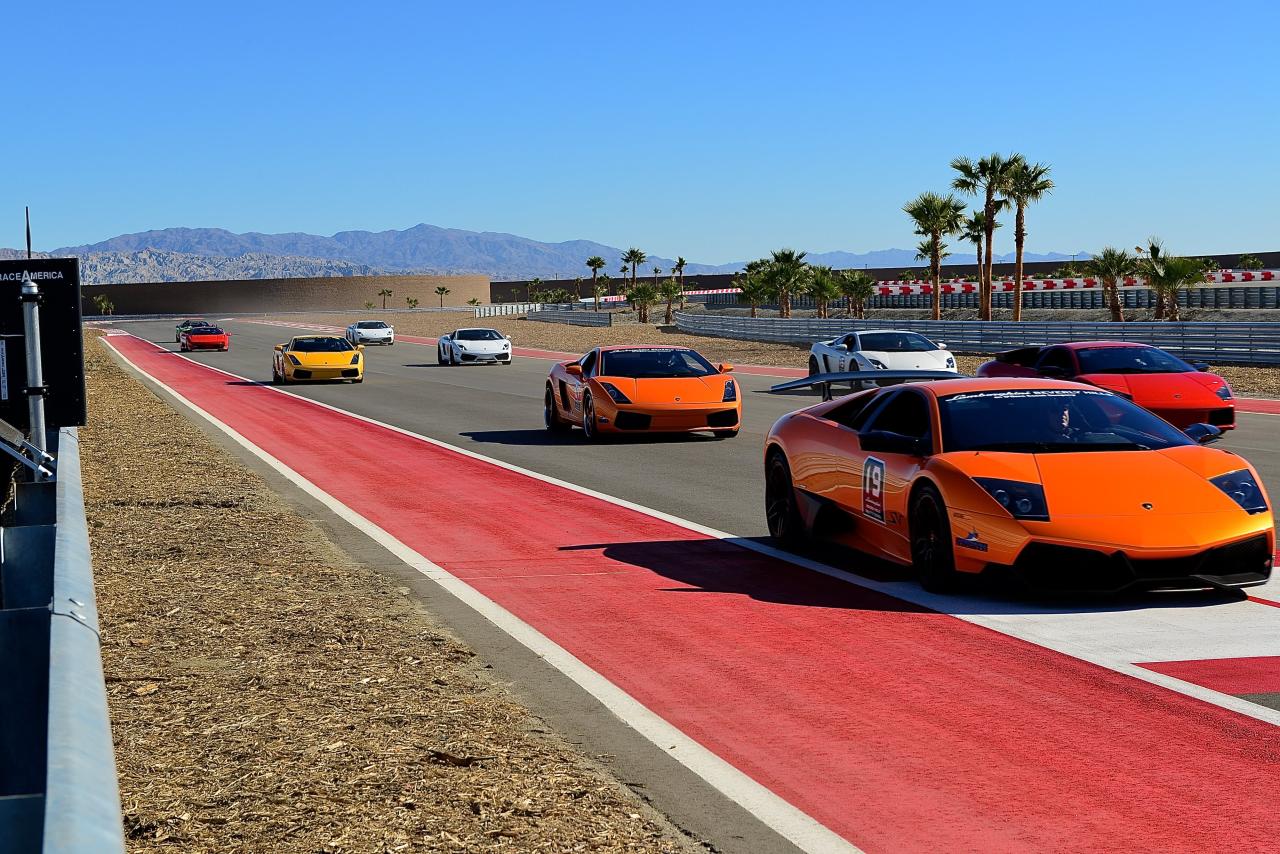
x=825 y=381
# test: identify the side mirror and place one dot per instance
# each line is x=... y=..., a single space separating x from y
x=280 y=348
x=941 y=346
x=574 y=370
x=1053 y=372
x=893 y=443
x=359 y=346
x=1200 y=366
x=844 y=347
x=508 y=337
x=1205 y=434
x=725 y=367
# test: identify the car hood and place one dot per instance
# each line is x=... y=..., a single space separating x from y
x=1175 y=481
x=709 y=389
x=323 y=360
x=929 y=360
x=1163 y=390
x=480 y=346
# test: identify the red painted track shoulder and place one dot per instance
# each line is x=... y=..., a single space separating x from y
x=899 y=728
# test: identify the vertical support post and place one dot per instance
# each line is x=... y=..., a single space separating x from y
x=35 y=375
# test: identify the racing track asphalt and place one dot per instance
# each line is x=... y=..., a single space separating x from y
x=497 y=411
x=716 y=484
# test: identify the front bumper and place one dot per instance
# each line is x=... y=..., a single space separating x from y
x=486 y=357
x=1222 y=415
x=317 y=374
x=1054 y=567
x=381 y=339
x=671 y=419
x=208 y=345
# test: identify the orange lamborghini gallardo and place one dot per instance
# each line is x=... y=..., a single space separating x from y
x=642 y=390
x=1064 y=485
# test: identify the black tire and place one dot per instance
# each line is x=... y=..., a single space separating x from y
x=780 y=508
x=814 y=367
x=589 y=419
x=932 y=552
x=551 y=415
x=439 y=355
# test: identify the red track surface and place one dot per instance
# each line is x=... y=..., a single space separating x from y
x=900 y=729
x=1258 y=675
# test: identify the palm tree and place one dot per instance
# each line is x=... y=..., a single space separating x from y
x=577 y=287
x=103 y=304
x=536 y=293
x=753 y=288
x=442 y=292
x=1167 y=275
x=974 y=230
x=1027 y=183
x=368 y=305
x=473 y=301
x=623 y=270
x=1111 y=265
x=384 y=293
x=824 y=286
x=412 y=302
x=857 y=286
x=657 y=271
x=596 y=263
x=635 y=258
x=679 y=271
x=670 y=290
x=642 y=297
x=935 y=217
x=786 y=274
x=599 y=287
x=1249 y=262
x=989 y=178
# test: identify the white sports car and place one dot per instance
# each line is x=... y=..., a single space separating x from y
x=473 y=345
x=882 y=349
x=371 y=332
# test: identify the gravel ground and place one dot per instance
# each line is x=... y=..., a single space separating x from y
x=1247 y=382
x=269 y=695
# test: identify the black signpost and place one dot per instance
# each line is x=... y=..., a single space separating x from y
x=57 y=295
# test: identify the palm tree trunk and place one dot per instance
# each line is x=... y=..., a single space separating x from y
x=1159 y=313
x=984 y=299
x=1113 y=300
x=1020 y=239
x=1174 y=310
x=935 y=269
x=753 y=309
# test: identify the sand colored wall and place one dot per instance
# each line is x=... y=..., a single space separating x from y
x=335 y=292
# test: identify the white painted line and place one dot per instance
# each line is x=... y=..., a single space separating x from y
x=792 y=824
x=1031 y=627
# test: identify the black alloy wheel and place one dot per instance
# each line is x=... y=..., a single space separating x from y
x=932 y=552
x=780 y=508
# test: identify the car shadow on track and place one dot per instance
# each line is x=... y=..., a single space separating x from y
x=542 y=436
x=724 y=566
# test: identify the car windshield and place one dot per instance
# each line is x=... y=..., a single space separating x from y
x=1129 y=360
x=325 y=344
x=194 y=323
x=371 y=324
x=654 y=363
x=205 y=330
x=1051 y=421
x=478 y=335
x=895 y=342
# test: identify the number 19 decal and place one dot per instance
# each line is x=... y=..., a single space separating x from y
x=873 y=489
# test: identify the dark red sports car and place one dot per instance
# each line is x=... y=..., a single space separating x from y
x=1182 y=394
x=204 y=338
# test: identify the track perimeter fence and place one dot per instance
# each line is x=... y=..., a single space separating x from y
x=1222 y=343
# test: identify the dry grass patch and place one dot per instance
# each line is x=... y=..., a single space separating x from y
x=267 y=694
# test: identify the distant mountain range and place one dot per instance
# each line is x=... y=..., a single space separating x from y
x=187 y=254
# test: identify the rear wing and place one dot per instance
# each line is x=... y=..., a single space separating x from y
x=865 y=379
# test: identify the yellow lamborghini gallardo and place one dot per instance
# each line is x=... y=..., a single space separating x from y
x=318 y=357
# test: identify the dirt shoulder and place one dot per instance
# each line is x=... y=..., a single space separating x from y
x=1247 y=382
x=269 y=694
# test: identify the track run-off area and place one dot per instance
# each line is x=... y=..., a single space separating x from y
x=830 y=696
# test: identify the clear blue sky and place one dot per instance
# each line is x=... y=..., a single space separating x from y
x=714 y=130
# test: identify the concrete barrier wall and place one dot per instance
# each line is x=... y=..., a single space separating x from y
x=335 y=292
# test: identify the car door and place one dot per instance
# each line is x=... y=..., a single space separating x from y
x=572 y=387
x=885 y=476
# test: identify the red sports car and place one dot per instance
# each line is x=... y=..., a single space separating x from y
x=204 y=338
x=1182 y=394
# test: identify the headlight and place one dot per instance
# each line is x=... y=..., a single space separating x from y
x=294 y=359
x=1022 y=500
x=618 y=396
x=730 y=391
x=1223 y=391
x=355 y=359
x=460 y=345
x=1243 y=489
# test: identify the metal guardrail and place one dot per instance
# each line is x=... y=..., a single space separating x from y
x=1222 y=343
x=572 y=317
x=499 y=309
x=1249 y=296
x=58 y=789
